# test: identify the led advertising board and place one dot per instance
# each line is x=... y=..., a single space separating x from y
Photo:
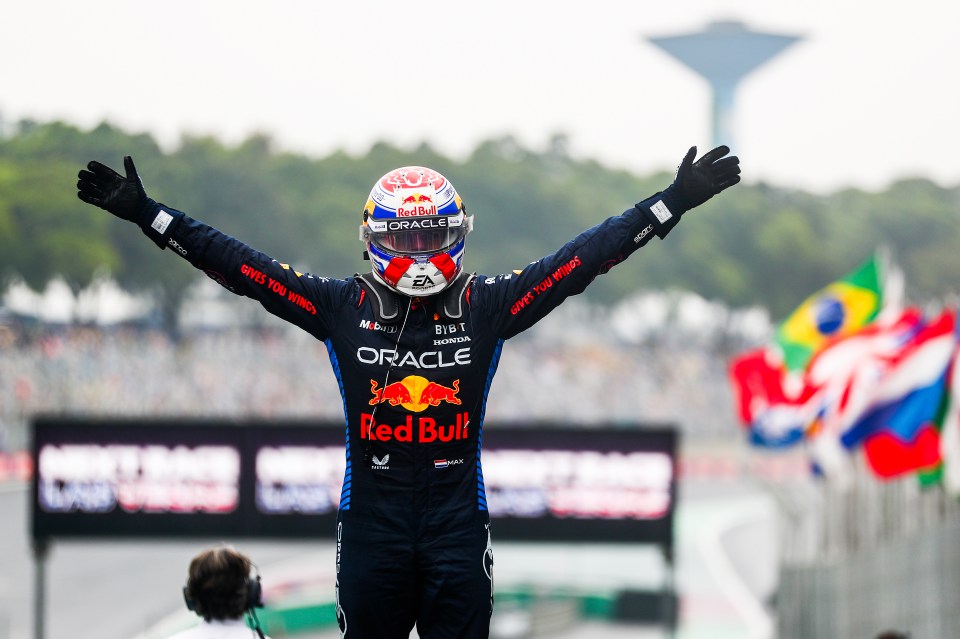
x=182 y=478
x=597 y=484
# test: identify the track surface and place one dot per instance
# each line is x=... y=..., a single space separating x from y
x=726 y=559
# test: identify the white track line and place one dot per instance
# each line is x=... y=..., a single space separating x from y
x=759 y=623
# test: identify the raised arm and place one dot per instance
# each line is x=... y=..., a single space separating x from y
x=302 y=299
x=516 y=301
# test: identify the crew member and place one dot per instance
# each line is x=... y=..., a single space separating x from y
x=223 y=588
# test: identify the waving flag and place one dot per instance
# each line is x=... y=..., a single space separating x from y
x=846 y=373
x=899 y=431
x=950 y=431
x=780 y=408
x=849 y=369
x=775 y=408
x=836 y=311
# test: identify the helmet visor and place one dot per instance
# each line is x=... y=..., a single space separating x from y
x=417 y=242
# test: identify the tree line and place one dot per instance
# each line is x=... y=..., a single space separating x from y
x=755 y=245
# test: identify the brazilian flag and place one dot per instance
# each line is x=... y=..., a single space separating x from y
x=838 y=310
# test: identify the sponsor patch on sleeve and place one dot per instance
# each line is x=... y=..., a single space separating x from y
x=661 y=211
x=161 y=222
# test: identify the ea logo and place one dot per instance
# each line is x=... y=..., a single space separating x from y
x=422 y=281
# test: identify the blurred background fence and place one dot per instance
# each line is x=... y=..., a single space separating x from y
x=868 y=557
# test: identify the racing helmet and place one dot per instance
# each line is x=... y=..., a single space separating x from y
x=415 y=226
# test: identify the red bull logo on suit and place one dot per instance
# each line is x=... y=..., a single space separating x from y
x=415 y=394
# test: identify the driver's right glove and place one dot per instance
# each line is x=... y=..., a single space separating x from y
x=125 y=197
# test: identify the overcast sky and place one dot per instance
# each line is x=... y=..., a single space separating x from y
x=871 y=93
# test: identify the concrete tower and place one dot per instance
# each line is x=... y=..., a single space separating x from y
x=723 y=54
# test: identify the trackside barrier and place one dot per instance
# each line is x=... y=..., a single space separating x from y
x=868 y=557
x=913 y=585
x=16 y=466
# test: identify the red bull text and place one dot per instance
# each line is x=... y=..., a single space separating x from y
x=422 y=430
x=416 y=205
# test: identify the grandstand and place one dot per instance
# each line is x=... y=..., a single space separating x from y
x=655 y=358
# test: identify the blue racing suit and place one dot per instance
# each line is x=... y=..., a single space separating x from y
x=413 y=531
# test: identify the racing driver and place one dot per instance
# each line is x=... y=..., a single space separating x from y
x=414 y=345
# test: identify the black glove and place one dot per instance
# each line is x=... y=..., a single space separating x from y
x=697 y=182
x=104 y=187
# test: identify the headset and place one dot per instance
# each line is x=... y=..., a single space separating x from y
x=253 y=599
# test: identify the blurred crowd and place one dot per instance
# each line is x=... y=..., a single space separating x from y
x=572 y=369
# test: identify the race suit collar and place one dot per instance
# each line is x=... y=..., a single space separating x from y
x=386 y=301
